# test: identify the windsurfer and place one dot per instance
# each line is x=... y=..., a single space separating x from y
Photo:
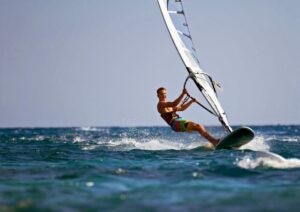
x=168 y=111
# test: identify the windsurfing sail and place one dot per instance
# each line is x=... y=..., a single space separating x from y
x=175 y=19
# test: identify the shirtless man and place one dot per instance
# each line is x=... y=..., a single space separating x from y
x=168 y=111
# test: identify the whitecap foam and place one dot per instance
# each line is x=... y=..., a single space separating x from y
x=78 y=139
x=39 y=138
x=290 y=139
x=89 y=147
x=268 y=160
x=92 y=129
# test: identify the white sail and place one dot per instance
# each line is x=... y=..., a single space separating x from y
x=174 y=16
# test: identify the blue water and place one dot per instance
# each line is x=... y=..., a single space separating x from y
x=146 y=168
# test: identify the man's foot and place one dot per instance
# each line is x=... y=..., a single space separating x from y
x=218 y=141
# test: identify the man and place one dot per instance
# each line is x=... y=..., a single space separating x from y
x=168 y=111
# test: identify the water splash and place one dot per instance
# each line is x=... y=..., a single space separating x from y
x=126 y=144
x=267 y=160
x=257 y=144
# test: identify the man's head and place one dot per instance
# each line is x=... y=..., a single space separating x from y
x=162 y=93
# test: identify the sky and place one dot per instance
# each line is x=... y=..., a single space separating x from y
x=99 y=63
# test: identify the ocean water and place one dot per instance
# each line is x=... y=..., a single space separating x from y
x=147 y=168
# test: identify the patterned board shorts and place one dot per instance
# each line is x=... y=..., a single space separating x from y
x=180 y=125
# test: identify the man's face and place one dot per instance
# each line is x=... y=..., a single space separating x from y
x=162 y=94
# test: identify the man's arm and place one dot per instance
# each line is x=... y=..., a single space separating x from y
x=163 y=108
x=185 y=106
x=178 y=100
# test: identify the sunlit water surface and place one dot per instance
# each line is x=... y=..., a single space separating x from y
x=147 y=168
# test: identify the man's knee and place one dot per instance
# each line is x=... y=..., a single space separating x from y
x=200 y=127
x=195 y=126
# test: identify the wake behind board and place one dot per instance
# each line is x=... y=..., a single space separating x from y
x=237 y=138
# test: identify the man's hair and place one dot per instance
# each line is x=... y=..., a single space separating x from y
x=160 y=89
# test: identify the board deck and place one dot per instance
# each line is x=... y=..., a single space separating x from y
x=237 y=138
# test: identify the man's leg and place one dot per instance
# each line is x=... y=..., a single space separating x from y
x=199 y=128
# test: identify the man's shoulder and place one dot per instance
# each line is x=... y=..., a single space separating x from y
x=161 y=106
x=164 y=103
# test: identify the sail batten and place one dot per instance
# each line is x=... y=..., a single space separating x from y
x=175 y=12
x=174 y=17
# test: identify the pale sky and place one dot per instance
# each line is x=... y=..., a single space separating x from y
x=99 y=63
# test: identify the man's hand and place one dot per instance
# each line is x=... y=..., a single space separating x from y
x=193 y=99
x=178 y=100
x=184 y=106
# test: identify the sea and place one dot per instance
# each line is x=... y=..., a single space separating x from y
x=147 y=169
